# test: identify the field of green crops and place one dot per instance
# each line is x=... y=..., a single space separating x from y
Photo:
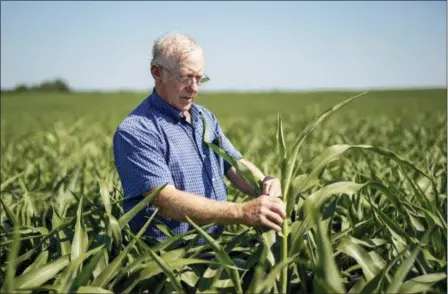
x=364 y=181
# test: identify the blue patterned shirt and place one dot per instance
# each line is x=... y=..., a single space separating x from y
x=155 y=145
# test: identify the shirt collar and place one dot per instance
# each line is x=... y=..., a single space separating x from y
x=170 y=110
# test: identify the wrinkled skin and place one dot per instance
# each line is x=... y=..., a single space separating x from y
x=169 y=87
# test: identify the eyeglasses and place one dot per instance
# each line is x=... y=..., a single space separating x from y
x=187 y=81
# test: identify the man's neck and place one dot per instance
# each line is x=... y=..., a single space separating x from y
x=184 y=112
x=187 y=116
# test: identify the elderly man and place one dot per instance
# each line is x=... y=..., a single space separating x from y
x=160 y=142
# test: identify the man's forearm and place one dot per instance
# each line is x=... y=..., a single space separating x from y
x=176 y=204
x=240 y=182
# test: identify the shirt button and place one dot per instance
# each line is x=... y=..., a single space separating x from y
x=213 y=179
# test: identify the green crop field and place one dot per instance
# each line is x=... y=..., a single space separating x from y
x=364 y=184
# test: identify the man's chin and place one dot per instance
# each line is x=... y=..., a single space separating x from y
x=186 y=103
x=185 y=100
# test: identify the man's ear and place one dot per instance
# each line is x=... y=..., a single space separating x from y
x=155 y=71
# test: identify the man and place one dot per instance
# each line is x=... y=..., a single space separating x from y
x=160 y=142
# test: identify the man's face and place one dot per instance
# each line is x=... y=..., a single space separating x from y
x=180 y=84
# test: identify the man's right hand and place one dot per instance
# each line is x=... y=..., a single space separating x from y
x=264 y=211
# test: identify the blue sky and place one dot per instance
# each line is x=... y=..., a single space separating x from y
x=248 y=45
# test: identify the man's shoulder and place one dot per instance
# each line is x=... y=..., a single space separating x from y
x=139 y=121
x=135 y=132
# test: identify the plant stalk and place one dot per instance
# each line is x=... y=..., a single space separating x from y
x=284 y=252
x=284 y=247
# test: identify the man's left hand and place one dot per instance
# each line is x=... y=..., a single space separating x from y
x=271 y=187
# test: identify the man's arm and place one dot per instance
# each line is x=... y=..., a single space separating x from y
x=140 y=163
x=177 y=204
x=235 y=178
x=271 y=186
x=231 y=172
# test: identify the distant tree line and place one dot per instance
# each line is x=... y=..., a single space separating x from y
x=57 y=85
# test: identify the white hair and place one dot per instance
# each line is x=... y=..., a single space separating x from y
x=171 y=47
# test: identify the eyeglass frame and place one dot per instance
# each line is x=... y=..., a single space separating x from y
x=188 y=80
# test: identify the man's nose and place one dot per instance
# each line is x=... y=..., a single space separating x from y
x=194 y=86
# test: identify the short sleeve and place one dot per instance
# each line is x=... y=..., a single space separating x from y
x=140 y=162
x=227 y=146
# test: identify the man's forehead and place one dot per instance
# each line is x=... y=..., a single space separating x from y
x=193 y=62
x=191 y=67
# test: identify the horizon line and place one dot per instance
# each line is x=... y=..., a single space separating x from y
x=211 y=91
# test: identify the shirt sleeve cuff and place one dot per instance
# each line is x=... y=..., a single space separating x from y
x=146 y=186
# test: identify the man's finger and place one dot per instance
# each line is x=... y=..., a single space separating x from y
x=274 y=217
x=266 y=188
x=276 y=191
x=268 y=223
x=279 y=207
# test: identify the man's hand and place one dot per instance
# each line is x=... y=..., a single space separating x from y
x=264 y=211
x=271 y=187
